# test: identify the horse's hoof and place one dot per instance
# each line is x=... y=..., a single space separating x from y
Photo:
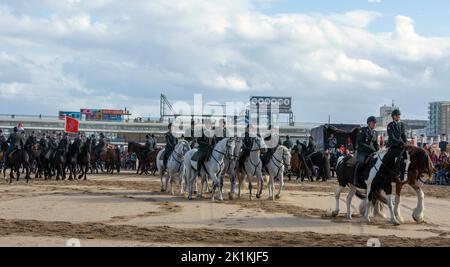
x=190 y=198
x=335 y=213
x=230 y=196
x=417 y=218
x=258 y=196
x=395 y=222
x=162 y=190
x=277 y=197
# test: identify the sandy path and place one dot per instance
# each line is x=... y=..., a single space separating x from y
x=129 y=210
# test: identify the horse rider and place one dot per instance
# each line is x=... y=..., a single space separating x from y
x=15 y=141
x=247 y=145
x=2 y=137
x=150 y=145
x=288 y=143
x=52 y=145
x=272 y=141
x=306 y=155
x=397 y=140
x=171 y=142
x=43 y=143
x=367 y=144
x=190 y=136
x=101 y=145
x=206 y=144
x=221 y=132
x=297 y=147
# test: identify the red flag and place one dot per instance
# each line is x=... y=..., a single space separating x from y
x=71 y=125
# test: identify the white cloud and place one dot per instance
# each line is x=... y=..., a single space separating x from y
x=112 y=53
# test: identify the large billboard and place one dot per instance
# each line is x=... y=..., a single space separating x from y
x=284 y=103
x=73 y=114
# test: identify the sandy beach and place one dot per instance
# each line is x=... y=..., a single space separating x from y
x=130 y=210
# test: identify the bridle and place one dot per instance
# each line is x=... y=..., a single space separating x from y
x=282 y=163
x=179 y=157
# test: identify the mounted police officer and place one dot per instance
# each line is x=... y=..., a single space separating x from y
x=150 y=145
x=206 y=144
x=247 y=145
x=43 y=142
x=288 y=143
x=397 y=140
x=272 y=141
x=367 y=144
x=2 y=137
x=221 y=132
x=190 y=136
x=171 y=142
x=15 y=143
x=101 y=145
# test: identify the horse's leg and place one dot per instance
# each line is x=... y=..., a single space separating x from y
x=281 y=186
x=271 y=188
x=398 y=190
x=390 y=202
x=249 y=179
x=418 y=211
x=232 y=186
x=337 y=196
x=350 y=196
x=192 y=179
x=260 y=183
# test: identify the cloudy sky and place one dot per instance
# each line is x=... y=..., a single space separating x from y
x=343 y=58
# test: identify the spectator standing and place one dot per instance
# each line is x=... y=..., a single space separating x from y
x=443 y=144
x=133 y=161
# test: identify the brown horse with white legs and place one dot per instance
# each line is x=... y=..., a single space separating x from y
x=417 y=166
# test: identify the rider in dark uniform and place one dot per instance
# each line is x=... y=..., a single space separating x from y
x=288 y=143
x=367 y=143
x=150 y=145
x=397 y=140
x=221 y=132
x=189 y=134
x=171 y=142
x=43 y=142
x=101 y=145
x=247 y=145
x=2 y=137
x=272 y=141
x=15 y=141
x=206 y=144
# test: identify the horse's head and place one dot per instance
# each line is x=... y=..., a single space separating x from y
x=230 y=147
x=182 y=147
x=286 y=156
x=421 y=165
x=259 y=144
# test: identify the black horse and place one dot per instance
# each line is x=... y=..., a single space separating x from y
x=60 y=158
x=3 y=148
x=16 y=159
x=72 y=158
x=84 y=158
x=318 y=160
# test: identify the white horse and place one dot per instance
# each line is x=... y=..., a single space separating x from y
x=175 y=166
x=231 y=164
x=172 y=165
x=278 y=164
x=253 y=167
x=212 y=168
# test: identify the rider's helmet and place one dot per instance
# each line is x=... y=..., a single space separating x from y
x=147 y=136
x=102 y=135
x=396 y=112
x=16 y=129
x=371 y=119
